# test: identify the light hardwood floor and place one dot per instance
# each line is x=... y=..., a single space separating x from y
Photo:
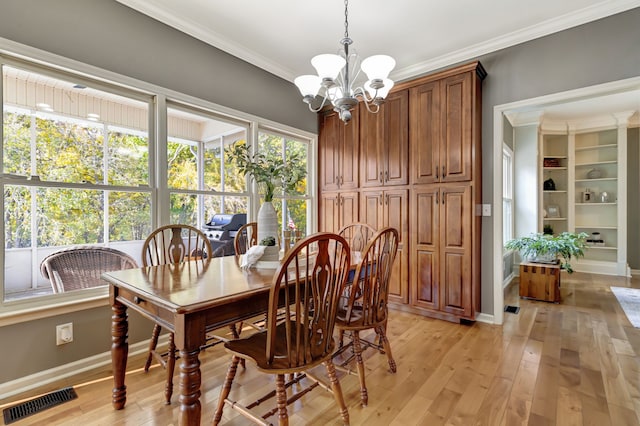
x=573 y=363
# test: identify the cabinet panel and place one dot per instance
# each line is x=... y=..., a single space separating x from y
x=390 y=208
x=441 y=249
x=328 y=220
x=329 y=141
x=372 y=163
x=457 y=142
x=339 y=152
x=337 y=209
x=348 y=209
x=384 y=152
x=396 y=135
x=425 y=132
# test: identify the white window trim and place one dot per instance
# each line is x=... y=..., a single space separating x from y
x=510 y=174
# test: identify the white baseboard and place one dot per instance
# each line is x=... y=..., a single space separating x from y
x=486 y=318
x=36 y=380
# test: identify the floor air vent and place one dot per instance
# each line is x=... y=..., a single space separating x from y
x=25 y=409
x=512 y=309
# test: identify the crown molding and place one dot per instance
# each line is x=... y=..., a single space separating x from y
x=557 y=24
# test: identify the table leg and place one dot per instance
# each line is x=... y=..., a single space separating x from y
x=190 y=379
x=119 y=353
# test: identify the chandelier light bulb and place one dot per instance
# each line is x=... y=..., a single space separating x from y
x=378 y=67
x=328 y=65
x=309 y=85
x=376 y=91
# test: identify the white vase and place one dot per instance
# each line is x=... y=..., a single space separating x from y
x=268 y=222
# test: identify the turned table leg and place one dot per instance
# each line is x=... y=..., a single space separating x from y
x=119 y=353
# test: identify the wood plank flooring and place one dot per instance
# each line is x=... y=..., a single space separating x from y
x=573 y=363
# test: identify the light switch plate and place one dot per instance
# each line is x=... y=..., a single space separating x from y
x=486 y=210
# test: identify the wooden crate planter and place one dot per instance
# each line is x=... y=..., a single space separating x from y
x=540 y=282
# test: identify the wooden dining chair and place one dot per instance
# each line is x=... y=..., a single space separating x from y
x=172 y=244
x=357 y=235
x=246 y=237
x=307 y=285
x=366 y=307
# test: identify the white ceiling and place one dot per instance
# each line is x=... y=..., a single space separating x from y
x=281 y=36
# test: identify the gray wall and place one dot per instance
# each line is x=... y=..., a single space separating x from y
x=525 y=183
x=114 y=37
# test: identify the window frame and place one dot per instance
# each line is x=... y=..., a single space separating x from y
x=508 y=227
x=16 y=55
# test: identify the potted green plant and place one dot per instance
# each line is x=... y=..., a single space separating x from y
x=271 y=172
x=545 y=248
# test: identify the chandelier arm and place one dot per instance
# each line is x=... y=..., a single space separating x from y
x=371 y=110
x=324 y=101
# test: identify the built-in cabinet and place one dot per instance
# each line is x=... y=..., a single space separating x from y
x=420 y=172
x=587 y=164
x=339 y=156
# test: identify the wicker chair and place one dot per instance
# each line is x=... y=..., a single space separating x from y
x=311 y=284
x=80 y=267
x=171 y=244
x=366 y=307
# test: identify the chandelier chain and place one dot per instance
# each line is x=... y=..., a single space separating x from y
x=346 y=19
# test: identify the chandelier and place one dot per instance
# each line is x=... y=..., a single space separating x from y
x=338 y=74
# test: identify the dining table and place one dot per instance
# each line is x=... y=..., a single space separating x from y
x=187 y=299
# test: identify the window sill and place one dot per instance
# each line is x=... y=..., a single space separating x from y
x=14 y=314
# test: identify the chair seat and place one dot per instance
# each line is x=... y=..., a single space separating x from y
x=356 y=321
x=253 y=348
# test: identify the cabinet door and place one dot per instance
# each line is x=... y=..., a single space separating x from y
x=372 y=155
x=425 y=274
x=329 y=151
x=371 y=208
x=396 y=215
x=425 y=133
x=349 y=153
x=329 y=210
x=396 y=138
x=456 y=215
x=348 y=209
x=456 y=142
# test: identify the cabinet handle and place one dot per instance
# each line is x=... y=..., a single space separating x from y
x=444 y=172
x=437 y=175
x=386 y=199
x=443 y=197
x=338 y=180
x=386 y=176
x=380 y=177
x=380 y=200
x=137 y=300
x=437 y=198
x=341 y=180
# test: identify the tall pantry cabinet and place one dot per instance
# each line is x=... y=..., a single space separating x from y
x=420 y=172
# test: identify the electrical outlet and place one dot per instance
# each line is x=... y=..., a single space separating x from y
x=64 y=333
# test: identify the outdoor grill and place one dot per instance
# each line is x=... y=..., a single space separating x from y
x=222 y=229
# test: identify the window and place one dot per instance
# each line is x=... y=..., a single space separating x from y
x=507 y=194
x=81 y=165
x=293 y=208
x=75 y=162
x=201 y=180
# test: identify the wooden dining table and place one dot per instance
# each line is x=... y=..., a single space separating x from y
x=186 y=299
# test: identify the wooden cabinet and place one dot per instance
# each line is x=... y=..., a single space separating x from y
x=382 y=208
x=540 y=282
x=384 y=151
x=441 y=261
x=442 y=128
x=420 y=172
x=338 y=209
x=339 y=153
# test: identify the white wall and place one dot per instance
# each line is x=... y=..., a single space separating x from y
x=525 y=195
